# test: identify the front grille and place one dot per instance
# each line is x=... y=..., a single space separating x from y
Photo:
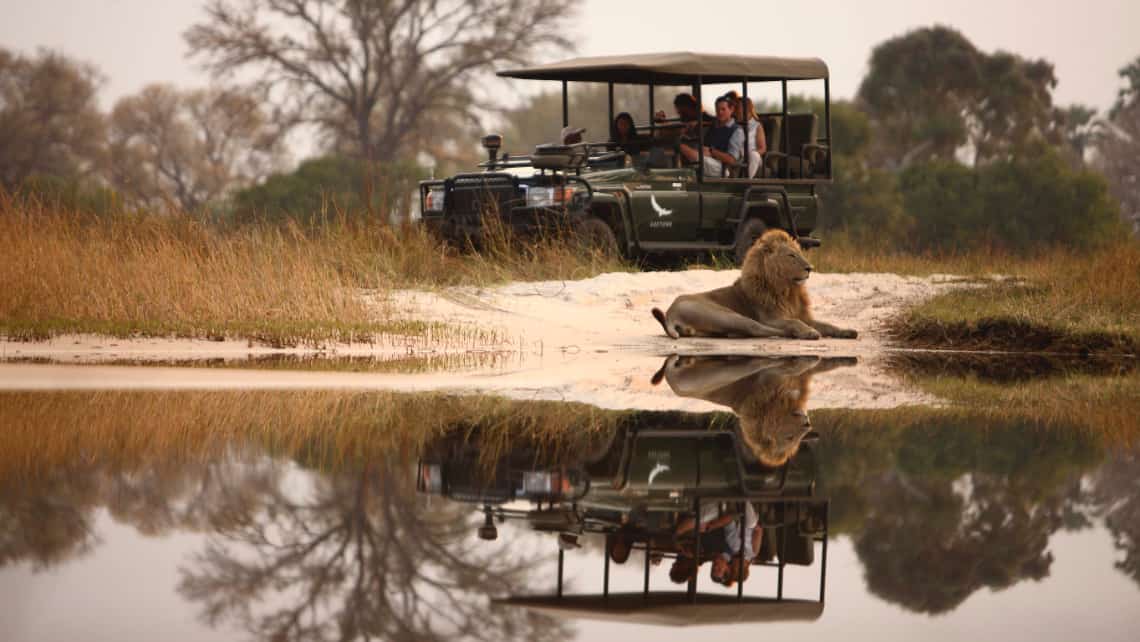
x=471 y=196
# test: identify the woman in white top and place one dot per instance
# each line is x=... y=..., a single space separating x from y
x=757 y=144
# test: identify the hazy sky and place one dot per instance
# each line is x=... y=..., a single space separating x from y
x=136 y=42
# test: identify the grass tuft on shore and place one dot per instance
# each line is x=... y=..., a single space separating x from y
x=1058 y=300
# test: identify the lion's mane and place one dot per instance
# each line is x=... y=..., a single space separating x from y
x=759 y=283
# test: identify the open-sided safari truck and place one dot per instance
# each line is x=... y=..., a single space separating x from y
x=645 y=197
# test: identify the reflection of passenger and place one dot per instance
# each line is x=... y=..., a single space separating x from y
x=769 y=395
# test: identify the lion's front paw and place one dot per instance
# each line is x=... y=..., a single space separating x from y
x=807 y=333
x=847 y=334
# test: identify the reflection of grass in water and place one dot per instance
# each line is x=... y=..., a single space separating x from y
x=1104 y=407
x=320 y=429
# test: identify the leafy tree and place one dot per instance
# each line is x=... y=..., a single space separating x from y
x=1130 y=92
x=930 y=92
x=1076 y=128
x=1016 y=204
x=377 y=74
x=331 y=185
x=50 y=123
x=190 y=146
x=917 y=90
x=862 y=201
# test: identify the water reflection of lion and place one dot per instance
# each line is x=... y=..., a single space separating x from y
x=768 y=394
x=768 y=300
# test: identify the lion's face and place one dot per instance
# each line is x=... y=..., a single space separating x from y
x=783 y=260
x=777 y=439
x=774 y=428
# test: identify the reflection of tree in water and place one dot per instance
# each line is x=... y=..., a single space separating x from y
x=943 y=508
x=1115 y=491
x=928 y=548
x=47 y=519
x=358 y=555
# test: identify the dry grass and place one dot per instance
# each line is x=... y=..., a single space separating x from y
x=153 y=275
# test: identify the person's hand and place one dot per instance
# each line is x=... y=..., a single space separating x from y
x=659 y=116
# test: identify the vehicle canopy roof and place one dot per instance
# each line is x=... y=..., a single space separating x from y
x=676 y=68
x=670 y=608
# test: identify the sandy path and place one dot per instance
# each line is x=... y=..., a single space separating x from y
x=610 y=312
x=592 y=340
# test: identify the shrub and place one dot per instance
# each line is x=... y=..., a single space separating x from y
x=332 y=184
x=1029 y=202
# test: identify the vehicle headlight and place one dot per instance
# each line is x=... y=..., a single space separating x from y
x=433 y=200
x=539 y=483
x=549 y=196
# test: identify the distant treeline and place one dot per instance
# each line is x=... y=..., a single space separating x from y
x=944 y=147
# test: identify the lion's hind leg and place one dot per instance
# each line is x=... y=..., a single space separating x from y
x=695 y=317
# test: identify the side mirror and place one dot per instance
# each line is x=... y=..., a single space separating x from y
x=488 y=531
x=492 y=143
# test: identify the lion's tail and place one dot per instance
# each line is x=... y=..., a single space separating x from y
x=660 y=316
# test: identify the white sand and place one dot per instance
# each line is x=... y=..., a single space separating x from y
x=592 y=340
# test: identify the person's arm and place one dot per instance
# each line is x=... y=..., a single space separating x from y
x=761 y=141
x=757 y=533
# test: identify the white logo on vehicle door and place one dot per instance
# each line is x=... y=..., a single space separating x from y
x=661 y=211
x=657 y=470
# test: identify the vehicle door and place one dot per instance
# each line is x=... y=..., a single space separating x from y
x=664 y=206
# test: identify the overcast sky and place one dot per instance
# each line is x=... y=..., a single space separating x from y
x=135 y=42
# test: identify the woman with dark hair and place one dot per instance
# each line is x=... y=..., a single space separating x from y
x=624 y=133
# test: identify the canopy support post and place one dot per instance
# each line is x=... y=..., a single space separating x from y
x=823 y=565
x=561 y=560
x=740 y=560
x=606 y=577
x=610 y=87
x=827 y=119
x=652 y=112
x=648 y=552
x=696 y=548
x=565 y=106
x=786 y=160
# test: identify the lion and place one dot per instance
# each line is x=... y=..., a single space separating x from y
x=768 y=300
x=768 y=394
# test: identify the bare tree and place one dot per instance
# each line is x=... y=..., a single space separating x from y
x=375 y=72
x=49 y=121
x=189 y=146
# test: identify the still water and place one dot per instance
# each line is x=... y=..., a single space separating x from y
x=1009 y=509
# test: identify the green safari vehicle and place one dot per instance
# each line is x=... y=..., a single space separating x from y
x=642 y=197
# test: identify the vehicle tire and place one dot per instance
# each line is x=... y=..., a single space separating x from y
x=597 y=235
x=752 y=229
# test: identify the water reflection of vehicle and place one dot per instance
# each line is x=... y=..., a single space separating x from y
x=655 y=470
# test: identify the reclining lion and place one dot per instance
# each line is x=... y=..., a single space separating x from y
x=768 y=300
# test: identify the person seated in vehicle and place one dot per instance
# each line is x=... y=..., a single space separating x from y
x=724 y=142
x=623 y=132
x=687 y=112
x=745 y=112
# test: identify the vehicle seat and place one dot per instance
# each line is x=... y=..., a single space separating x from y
x=801 y=143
